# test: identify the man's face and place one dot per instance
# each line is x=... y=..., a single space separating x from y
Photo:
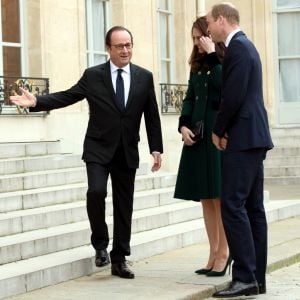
x=120 y=48
x=214 y=28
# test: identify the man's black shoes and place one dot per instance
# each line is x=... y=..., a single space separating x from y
x=117 y=269
x=238 y=288
x=121 y=270
x=101 y=258
x=262 y=288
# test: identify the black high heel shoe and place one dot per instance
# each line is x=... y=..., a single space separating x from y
x=203 y=271
x=223 y=272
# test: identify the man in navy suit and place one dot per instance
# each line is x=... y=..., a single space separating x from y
x=242 y=119
x=118 y=93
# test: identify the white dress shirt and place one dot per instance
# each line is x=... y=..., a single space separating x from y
x=230 y=36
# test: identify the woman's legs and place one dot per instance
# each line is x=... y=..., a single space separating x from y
x=222 y=252
x=211 y=225
x=218 y=253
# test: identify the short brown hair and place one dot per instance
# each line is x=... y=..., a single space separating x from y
x=228 y=11
x=115 y=28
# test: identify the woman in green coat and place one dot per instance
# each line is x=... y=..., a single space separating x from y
x=199 y=174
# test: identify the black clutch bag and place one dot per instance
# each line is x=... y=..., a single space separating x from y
x=198 y=130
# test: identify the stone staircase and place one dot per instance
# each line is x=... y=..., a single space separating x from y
x=282 y=166
x=44 y=232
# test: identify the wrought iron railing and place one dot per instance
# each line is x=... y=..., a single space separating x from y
x=9 y=86
x=172 y=96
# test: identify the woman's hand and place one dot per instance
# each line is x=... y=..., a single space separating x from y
x=187 y=136
x=207 y=44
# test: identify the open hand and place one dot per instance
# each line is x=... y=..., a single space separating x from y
x=25 y=100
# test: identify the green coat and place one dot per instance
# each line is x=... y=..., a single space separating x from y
x=199 y=173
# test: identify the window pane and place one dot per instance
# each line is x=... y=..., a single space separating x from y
x=99 y=21
x=11 y=61
x=164 y=36
x=10 y=13
x=163 y=4
x=288 y=37
x=99 y=59
x=289 y=85
x=288 y=3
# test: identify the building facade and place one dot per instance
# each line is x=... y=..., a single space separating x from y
x=45 y=45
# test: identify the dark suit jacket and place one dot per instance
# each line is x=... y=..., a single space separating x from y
x=242 y=113
x=107 y=125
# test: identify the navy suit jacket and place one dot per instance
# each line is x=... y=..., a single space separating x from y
x=242 y=113
x=107 y=124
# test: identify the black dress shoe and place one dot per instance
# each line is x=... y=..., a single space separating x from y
x=101 y=258
x=262 y=288
x=121 y=270
x=238 y=288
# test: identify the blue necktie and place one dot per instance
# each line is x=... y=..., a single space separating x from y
x=120 y=91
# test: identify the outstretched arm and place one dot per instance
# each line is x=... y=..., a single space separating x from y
x=25 y=100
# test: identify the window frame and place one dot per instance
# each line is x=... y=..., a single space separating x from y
x=171 y=43
x=23 y=38
x=90 y=52
x=286 y=112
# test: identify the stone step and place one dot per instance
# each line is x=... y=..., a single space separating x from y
x=287 y=140
x=39 y=163
x=44 y=241
x=34 y=273
x=283 y=161
x=284 y=151
x=286 y=136
x=282 y=171
x=285 y=131
x=45 y=217
x=282 y=180
x=8 y=150
x=39 y=179
x=53 y=268
x=59 y=194
x=34 y=198
x=47 y=178
x=49 y=162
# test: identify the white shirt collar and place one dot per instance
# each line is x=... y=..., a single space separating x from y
x=230 y=36
x=114 y=68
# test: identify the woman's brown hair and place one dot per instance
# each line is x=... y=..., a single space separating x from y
x=196 y=58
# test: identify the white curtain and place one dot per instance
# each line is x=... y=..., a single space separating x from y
x=98 y=7
x=96 y=20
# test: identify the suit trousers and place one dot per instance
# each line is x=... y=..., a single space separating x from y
x=122 y=181
x=243 y=213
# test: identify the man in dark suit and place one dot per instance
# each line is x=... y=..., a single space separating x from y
x=242 y=119
x=118 y=93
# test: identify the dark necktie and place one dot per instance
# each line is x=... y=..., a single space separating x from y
x=120 y=91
